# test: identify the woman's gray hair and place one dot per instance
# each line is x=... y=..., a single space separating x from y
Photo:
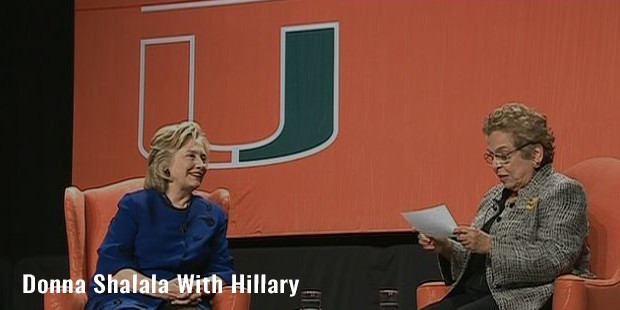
x=167 y=141
x=526 y=126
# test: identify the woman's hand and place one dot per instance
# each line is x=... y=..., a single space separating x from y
x=186 y=298
x=473 y=239
x=192 y=299
x=174 y=292
x=203 y=286
x=435 y=245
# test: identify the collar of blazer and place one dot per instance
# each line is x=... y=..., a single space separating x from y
x=528 y=195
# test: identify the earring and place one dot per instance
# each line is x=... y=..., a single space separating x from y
x=536 y=164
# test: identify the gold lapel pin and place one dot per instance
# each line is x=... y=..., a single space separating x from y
x=531 y=203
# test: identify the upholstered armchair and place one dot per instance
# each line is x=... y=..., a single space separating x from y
x=601 y=179
x=87 y=215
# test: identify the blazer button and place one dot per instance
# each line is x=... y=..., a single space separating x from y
x=497 y=286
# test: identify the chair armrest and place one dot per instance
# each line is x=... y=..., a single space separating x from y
x=430 y=292
x=570 y=293
x=64 y=301
x=227 y=300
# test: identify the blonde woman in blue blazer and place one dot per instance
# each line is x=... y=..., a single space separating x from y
x=165 y=231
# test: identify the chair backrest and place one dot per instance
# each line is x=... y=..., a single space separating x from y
x=88 y=214
x=601 y=179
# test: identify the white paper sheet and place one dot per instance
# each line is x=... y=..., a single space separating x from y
x=435 y=221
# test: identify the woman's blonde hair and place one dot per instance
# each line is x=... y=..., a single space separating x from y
x=167 y=141
x=526 y=126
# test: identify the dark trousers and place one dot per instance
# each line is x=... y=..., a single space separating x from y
x=168 y=306
x=463 y=301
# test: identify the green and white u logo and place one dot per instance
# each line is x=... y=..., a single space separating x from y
x=308 y=100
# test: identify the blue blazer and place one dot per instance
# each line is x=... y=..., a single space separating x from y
x=149 y=235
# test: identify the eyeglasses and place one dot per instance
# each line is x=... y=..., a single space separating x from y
x=502 y=158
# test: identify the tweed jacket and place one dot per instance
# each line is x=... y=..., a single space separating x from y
x=538 y=238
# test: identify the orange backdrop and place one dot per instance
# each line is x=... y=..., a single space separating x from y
x=415 y=79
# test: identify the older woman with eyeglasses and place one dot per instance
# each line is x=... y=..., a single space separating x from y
x=529 y=229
